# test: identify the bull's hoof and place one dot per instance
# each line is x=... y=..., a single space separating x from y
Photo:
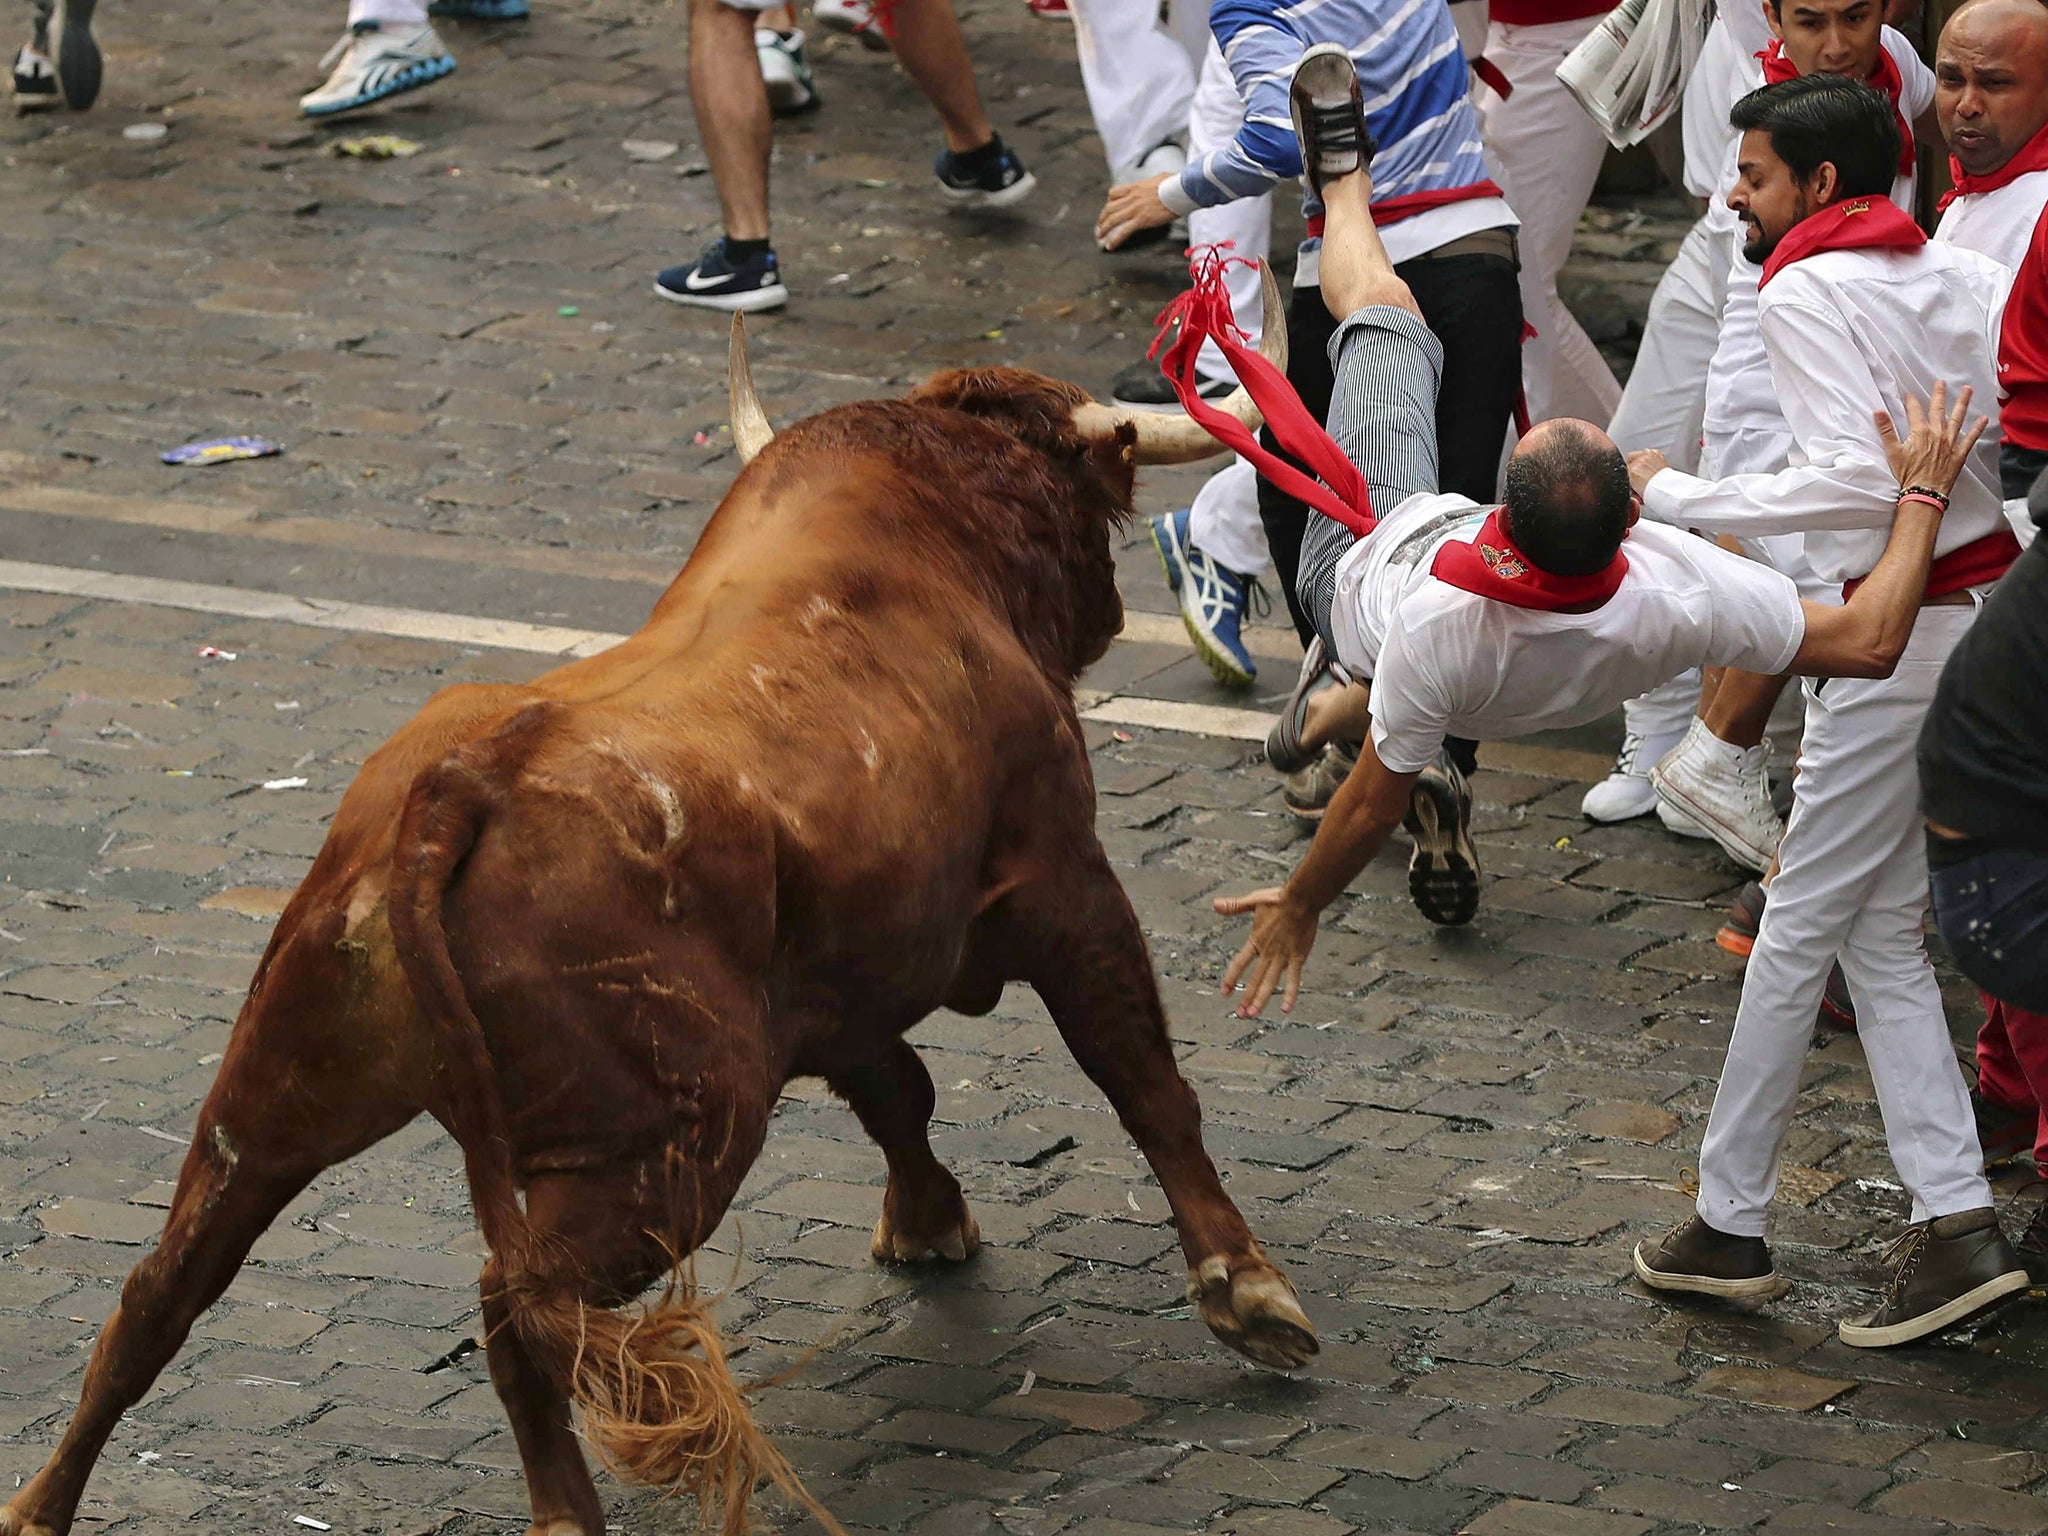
x=1251 y=1307
x=15 y=1523
x=955 y=1244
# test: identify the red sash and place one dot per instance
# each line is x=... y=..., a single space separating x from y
x=1855 y=223
x=1885 y=77
x=1492 y=566
x=1978 y=562
x=2033 y=156
x=2023 y=348
x=1392 y=210
x=1336 y=488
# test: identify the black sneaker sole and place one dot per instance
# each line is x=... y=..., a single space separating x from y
x=1443 y=873
x=76 y=54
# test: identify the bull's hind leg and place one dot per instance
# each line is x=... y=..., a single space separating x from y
x=274 y=1119
x=1085 y=955
x=924 y=1215
x=558 y=1484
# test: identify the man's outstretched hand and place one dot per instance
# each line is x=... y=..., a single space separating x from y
x=1131 y=207
x=1283 y=933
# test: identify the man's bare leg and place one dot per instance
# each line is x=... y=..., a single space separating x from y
x=932 y=52
x=1356 y=273
x=1740 y=710
x=731 y=105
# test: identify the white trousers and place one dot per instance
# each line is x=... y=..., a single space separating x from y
x=1548 y=153
x=1666 y=395
x=1852 y=883
x=388 y=13
x=1225 y=516
x=1139 y=73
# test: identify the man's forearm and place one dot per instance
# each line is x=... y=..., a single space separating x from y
x=1887 y=602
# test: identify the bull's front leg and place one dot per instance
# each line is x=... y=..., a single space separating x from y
x=1080 y=947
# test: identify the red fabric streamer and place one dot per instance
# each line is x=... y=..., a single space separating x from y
x=1491 y=566
x=2032 y=156
x=1855 y=223
x=1336 y=488
x=1885 y=77
x=1392 y=210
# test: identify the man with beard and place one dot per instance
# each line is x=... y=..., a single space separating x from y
x=1857 y=311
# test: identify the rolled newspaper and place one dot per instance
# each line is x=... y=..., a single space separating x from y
x=1631 y=70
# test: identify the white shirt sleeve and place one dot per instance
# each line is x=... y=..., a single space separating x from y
x=1410 y=708
x=1827 y=394
x=1758 y=622
x=1916 y=80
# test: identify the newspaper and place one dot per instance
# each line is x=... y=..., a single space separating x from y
x=1631 y=70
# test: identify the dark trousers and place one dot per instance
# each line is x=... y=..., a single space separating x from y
x=2018 y=468
x=1992 y=908
x=1473 y=305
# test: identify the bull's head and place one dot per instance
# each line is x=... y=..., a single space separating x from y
x=1159 y=437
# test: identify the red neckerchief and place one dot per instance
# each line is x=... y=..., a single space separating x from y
x=1855 y=223
x=1492 y=566
x=1336 y=488
x=2033 y=156
x=1885 y=77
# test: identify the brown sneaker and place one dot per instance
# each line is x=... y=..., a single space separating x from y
x=1307 y=793
x=1701 y=1259
x=1329 y=115
x=1943 y=1271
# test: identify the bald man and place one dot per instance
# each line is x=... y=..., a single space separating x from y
x=1452 y=618
x=1991 y=99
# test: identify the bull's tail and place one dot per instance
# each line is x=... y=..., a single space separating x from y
x=659 y=1402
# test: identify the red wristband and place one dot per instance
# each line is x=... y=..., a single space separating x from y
x=1925 y=500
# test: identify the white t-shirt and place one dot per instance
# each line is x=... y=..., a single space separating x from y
x=1997 y=224
x=1444 y=661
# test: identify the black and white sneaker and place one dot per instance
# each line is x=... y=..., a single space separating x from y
x=35 y=81
x=1143 y=385
x=1443 y=872
x=715 y=281
x=989 y=177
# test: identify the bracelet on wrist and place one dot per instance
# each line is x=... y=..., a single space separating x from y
x=1925 y=493
x=1907 y=498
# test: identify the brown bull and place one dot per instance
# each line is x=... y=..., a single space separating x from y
x=595 y=923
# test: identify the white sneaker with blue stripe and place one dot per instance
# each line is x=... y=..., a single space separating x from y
x=1213 y=601
x=375 y=63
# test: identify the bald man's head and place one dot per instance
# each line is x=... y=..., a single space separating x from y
x=1568 y=499
x=1991 y=81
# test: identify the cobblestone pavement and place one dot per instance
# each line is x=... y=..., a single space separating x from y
x=1451 y=1145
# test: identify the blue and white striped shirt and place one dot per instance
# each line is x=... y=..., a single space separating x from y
x=1411 y=72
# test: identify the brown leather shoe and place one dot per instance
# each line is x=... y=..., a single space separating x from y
x=1943 y=1271
x=1698 y=1258
x=1329 y=115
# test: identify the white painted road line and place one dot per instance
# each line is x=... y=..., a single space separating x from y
x=318 y=612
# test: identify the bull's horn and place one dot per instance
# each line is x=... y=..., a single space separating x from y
x=1174 y=437
x=750 y=429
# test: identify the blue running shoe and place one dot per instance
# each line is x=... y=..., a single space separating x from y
x=374 y=64
x=1213 y=601
x=985 y=178
x=716 y=281
x=480 y=10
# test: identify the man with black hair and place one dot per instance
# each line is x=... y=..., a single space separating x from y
x=1452 y=618
x=1859 y=313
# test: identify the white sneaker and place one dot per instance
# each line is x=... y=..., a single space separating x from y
x=856 y=18
x=1725 y=789
x=1627 y=793
x=784 y=71
x=374 y=64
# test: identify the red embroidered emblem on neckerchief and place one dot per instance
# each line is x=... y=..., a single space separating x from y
x=1503 y=563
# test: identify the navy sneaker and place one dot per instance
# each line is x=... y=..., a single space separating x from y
x=715 y=281
x=1213 y=601
x=35 y=80
x=1143 y=385
x=480 y=10
x=1000 y=182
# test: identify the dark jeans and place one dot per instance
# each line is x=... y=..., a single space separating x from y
x=1992 y=908
x=2019 y=468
